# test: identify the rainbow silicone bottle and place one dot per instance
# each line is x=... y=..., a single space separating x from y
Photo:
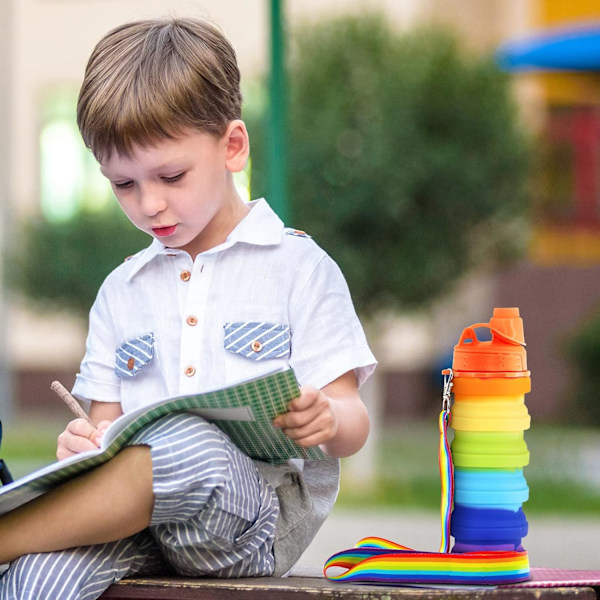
x=489 y=417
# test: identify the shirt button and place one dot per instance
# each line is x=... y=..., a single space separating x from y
x=189 y=371
x=131 y=363
x=192 y=321
x=185 y=275
x=256 y=346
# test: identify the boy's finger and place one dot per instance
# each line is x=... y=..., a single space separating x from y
x=78 y=444
x=308 y=396
x=80 y=427
x=296 y=418
x=83 y=428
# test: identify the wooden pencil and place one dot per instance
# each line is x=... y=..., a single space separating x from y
x=69 y=400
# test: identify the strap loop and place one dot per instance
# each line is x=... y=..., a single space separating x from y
x=375 y=560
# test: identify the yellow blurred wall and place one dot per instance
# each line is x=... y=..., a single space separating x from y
x=568 y=88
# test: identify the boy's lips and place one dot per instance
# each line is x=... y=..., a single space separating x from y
x=164 y=231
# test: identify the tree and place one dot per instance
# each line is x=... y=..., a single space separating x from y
x=62 y=265
x=583 y=351
x=407 y=161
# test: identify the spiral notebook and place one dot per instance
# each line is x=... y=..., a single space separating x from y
x=244 y=412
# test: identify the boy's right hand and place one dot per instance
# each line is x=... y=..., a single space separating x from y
x=80 y=436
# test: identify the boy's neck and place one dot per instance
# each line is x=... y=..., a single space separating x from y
x=218 y=230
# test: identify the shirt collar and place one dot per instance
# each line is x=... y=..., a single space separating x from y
x=260 y=227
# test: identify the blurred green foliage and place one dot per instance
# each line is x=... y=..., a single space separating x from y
x=406 y=158
x=62 y=264
x=583 y=351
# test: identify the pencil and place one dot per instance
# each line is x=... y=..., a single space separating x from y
x=69 y=400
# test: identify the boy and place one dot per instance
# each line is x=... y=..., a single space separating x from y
x=223 y=293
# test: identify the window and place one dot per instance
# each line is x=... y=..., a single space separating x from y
x=70 y=179
x=570 y=190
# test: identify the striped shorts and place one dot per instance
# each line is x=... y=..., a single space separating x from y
x=214 y=515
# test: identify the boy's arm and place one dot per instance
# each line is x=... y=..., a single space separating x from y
x=104 y=411
x=334 y=417
x=81 y=435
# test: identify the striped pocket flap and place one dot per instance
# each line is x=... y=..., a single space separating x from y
x=134 y=355
x=257 y=340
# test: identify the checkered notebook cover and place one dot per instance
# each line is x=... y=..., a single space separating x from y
x=244 y=412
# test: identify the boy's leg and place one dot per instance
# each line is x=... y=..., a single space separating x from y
x=79 y=573
x=214 y=514
x=111 y=502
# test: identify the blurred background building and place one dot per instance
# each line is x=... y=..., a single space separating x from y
x=44 y=170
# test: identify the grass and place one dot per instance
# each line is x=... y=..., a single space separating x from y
x=563 y=474
x=30 y=444
x=563 y=477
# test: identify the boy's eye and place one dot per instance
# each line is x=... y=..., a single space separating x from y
x=174 y=178
x=121 y=185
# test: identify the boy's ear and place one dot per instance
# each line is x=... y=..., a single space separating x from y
x=237 y=148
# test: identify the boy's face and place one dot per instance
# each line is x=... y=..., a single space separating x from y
x=179 y=190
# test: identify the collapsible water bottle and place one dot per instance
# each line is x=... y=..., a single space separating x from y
x=489 y=417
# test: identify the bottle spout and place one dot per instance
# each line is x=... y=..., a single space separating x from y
x=507 y=323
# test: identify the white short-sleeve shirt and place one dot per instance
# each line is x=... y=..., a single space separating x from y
x=165 y=325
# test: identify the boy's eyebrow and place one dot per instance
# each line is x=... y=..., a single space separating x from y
x=107 y=173
x=175 y=164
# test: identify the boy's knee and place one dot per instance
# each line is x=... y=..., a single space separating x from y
x=190 y=460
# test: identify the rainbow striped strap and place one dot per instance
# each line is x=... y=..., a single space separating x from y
x=447 y=480
x=375 y=560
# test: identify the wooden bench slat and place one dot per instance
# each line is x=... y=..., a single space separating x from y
x=307 y=588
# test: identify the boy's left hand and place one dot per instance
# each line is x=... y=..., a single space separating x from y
x=311 y=419
x=333 y=417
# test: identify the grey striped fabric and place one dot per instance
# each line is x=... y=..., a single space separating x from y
x=214 y=515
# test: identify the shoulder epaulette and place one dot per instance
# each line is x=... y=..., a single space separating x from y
x=297 y=233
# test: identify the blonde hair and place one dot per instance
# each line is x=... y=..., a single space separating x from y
x=151 y=79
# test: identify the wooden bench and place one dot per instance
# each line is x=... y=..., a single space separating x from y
x=317 y=588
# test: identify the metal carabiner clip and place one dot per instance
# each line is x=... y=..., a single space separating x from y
x=448 y=375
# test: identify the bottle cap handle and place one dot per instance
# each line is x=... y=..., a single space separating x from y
x=468 y=333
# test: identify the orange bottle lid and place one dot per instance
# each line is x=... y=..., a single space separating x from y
x=503 y=356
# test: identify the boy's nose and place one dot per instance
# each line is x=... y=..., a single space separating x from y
x=152 y=202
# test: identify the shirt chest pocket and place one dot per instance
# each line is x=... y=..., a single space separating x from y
x=134 y=355
x=257 y=340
